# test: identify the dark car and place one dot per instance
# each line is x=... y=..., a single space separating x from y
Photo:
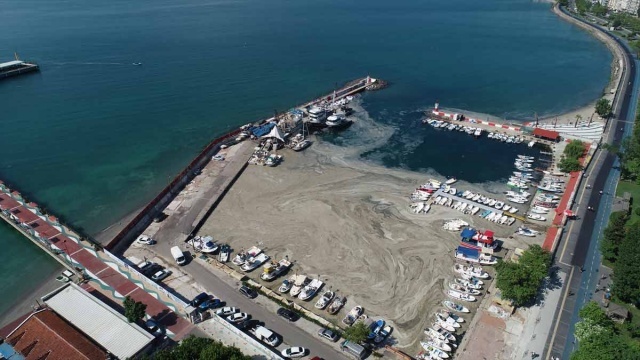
x=288 y=314
x=152 y=270
x=211 y=304
x=199 y=299
x=248 y=324
x=328 y=334
x=248 y=292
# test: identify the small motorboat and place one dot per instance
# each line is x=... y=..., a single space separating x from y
x=467 y=283
x=448 y=314
x=451 y=181
x=137 y=64
x=536 y=217
x=325 y=299
x=225 y=252
x=472 y=279
x=286 y=286
x=471 y=270
x=440 y=333
x=383 y=334
x=461 y=296
x=336 y=305
x=455 y=307
x=353 y=315
x=376 y=327
x=434 y=352
x=463 y=289
x=443 y=325
x=437 y=343
x=447 y=320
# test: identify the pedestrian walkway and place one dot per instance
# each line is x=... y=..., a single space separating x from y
x=79 y=254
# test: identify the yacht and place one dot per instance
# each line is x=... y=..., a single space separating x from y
x=317 y=115
x=337 y=121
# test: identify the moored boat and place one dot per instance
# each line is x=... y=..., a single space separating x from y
x=461 y=296
x=325 y=299
x=337 y=304
x=353 y=315
x=455 y=307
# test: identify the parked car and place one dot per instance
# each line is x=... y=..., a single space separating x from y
x=238 y=317
x=211 y=304
x=226 y=311
x=199 y=299
x=248 y=292
x=328 y=334
x=288 y=314
x=146 y=240
x=247 y=324
x=153 y=327
x=294 y=352
x=145 y=265
x=152 y=270
x=161 y=275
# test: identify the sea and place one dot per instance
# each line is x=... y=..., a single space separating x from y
x=93 y=137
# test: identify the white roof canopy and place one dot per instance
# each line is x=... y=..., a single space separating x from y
x=275 y=133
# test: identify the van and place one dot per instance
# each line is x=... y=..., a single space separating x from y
x=178 y=256
x=354 y=349
x=267 y=336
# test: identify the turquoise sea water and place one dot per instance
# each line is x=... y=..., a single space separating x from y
x=93 y=137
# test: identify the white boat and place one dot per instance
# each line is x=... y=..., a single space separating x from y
x=475 y=210
x=463 y=289
x=417 y=207
x=448 y=314
x=539 y=210
x=472 y=279
x=478 y=132
x=444 y=325
x=337 y=121
x=436 y=343
x=455 y=307
x=353 y=315
x=471 y=270
x=470 y=195
x=536 y=217
x=336 y=305
x=477 y=197
x=513 y=210
x=467 y=283
x=499 y=205
x=460 y=296
x=310 y=290
x=225 y=252
x=433 y=352
x=254 y=262
x=451 y=180
x=243 y=256
x=426 y=209
x=506 y=207
x=301 y=145
x=286 y=285
x=517 y=200
x=447 y=320
x=492 y=202
x=299 y=282
x=440 y=333
x=325 y=299
x=273 y=270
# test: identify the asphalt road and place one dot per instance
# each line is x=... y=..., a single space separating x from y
x=578 y=253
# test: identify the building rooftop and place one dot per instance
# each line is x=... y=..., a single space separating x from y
x=45 y=335
x=105 y=326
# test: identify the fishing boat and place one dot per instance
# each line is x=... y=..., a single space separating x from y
x=451 y=181
x=310 y=290
x=467 y=283
x=254 y=262
x=443 y=325
x=375 y=327
x=461 y=296
x=273 y=270
x=301 y=145
x=447 y=320
x=434 y=352
x=300 y=282
x=436 y=343
x=536 y=217
x=336 y=305
x=353 y=315
x=225 y=252
x=471 y=270
x=445 y=313
x=440 y=333
x=325 y=299
x=383 y=334
x=527 y=232
x=463 y=289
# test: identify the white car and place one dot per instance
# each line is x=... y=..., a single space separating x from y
x=144 y=239
x=226 y=311
x=294 y=352
x=238 y=317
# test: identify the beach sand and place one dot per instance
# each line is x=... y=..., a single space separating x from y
x=349 y=223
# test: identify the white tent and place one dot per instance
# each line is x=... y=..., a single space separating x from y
x=275 y=133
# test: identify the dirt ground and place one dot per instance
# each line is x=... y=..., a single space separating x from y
x=349 y=223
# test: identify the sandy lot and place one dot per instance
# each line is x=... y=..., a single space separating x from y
x=349 y=223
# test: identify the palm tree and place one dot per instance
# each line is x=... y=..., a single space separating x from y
x=578 y=118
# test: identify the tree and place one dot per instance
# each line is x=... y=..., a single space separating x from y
x=574 y=149
x=519 y=282
x=613 y=235
x=603 y=107
x=200 y=348
x=569 y=165
x=133 y=310
x=626 y=278
x=606 y=345
x=599 y=10
x=593 y=312
x=616 y=23
x=357 y=333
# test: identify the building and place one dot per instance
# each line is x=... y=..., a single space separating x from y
x=105 y=326
x=628 y=6
x=45 y=335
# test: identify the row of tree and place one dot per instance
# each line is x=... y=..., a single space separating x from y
x=626 y=279
x=613 y=236
x=599 y=338
x=630 y=154
x=571 y=156
x=194 y=348
x=520 y=281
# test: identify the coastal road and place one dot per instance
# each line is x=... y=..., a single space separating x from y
x=578 y=253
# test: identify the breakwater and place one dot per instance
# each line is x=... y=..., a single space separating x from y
x=160 y=201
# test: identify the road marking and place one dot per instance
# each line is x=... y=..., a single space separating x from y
x=564 y=300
